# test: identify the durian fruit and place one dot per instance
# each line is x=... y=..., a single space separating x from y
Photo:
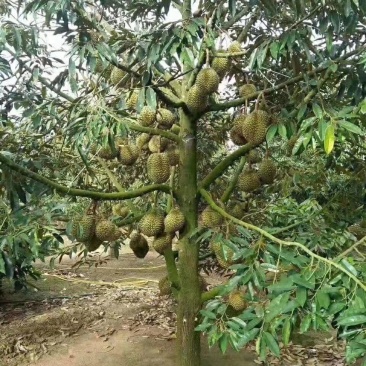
x=120 y=140
x=139 y=245
x=221 y=65
x=147 y=116
x=128 y=154
x=210 y=218
x=175 y=129
x=173 y=156
x=93 y=244
x=236 y=300
x=358 y=231
x=99 y=68
x=246 y=90
x=236 y=132
x=249 y=181
x=363 y=223
x=238 y=211
x=174 y=220
x=132 y=100
x=162 y=242
x=108 y=153
x=165 y=117
x=291 y=144
x=234 y=47
x=83 y=228
x=267 y=171
x=207 y=80
x=165 y=286
x=158 y=167
x=117 y=76
x=105 y=230
x=152 y=224
x=120 y=210
x=142 y=141
x=255 y=127
x=196 y=101
x=157 y=144
x=224 y=258
x=253 y=156
x=116 y=234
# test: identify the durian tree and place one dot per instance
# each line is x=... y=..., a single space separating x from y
x=236 y=127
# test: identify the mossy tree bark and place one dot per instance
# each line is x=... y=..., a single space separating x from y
x=189 y=298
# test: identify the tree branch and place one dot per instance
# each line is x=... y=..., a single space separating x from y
x=208 y=295
x=176 y=102
x=249 y=24
x=136 y=127
x=294 y=80
x=224 y=164
x=229 y=190
x=171 y=268
x=351 y=248
x=327 y=261
x=76 y=192
x=235 y=19
x=43 y=80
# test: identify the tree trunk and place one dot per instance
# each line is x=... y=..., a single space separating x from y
x=189 y=298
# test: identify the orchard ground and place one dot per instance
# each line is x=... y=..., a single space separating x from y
x=112 y=315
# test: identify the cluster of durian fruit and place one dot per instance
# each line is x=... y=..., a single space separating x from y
x=162 y=152
x=251 y=179
x=159 y=226
x=208 y=80
x=93 y=230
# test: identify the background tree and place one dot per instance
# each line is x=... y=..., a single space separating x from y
x=172 y=100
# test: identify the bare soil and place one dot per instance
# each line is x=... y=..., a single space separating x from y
x=112 y=315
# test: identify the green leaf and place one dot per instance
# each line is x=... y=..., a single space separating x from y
x=301 y=112
x=232 y=7
x=208 y=314
x=274 y=49
x=301 y=295
x=271 y=133
x=276 y=307
x=301 y=280
x=336 y=307
x=247 y=337
x=352 y=320
x=223 y=342
x=271 y=343
x=262 y=55
x=286 y=331
x=202 y=327
x=284 y=285
x=305 y=323
x=348 y=266
x=317 y=111
x=2 y=264
x=329 y=139
x=151 y=98
x=282 y=130
x=322 y=300
x=350 y=127
x=363 y=106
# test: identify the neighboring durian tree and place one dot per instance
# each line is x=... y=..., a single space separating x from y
x=245 y=144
